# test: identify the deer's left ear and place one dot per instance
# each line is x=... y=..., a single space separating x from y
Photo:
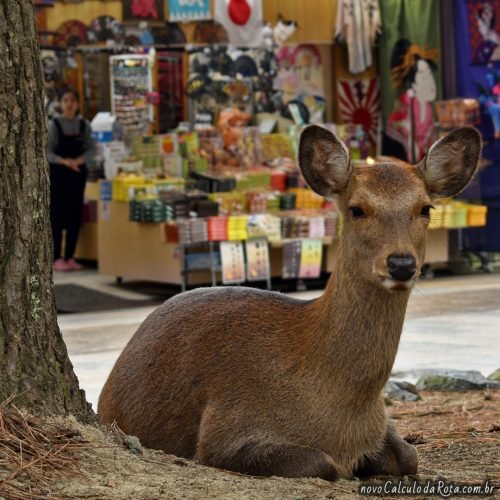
x=324 y=160
x=451 y=162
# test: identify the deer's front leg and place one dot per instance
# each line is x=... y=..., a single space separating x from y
x=395 y=458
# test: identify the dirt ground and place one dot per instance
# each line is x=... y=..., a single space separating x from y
x=457 y=436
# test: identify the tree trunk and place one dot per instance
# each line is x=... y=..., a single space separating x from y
x=34 y=363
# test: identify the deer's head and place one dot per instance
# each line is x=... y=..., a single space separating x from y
x=387 y=206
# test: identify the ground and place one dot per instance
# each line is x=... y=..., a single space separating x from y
x=457 y=436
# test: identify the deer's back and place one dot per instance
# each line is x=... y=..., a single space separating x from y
x=198 y=347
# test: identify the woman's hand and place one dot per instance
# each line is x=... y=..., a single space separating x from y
x=71 y=163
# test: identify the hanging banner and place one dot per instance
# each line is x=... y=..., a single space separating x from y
x=258 y=268
x=242 y=20
x=233 y=262
x=359 y=104
x=188 y=10
x=310 y=258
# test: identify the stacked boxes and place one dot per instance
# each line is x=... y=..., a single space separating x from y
x=307 y=198
x=316 y=227
x=237 y=227
x=192 y=230
x=217 y=228
x=476 y=215
x=264 y=225
x=147 y=211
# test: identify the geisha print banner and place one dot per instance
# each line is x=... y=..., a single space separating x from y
x=484 y=30
x=411 y=122
x=359 y=104
x=188 y=10
x=410 y=75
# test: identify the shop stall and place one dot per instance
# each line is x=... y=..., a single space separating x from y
x=199 y=181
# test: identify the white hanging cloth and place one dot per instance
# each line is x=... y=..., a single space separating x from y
x=358 y=24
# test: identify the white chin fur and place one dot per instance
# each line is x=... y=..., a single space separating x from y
x=393 y=285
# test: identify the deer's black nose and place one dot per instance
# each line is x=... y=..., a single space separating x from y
x=401 y=267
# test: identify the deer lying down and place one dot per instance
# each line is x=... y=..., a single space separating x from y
x=260 y=383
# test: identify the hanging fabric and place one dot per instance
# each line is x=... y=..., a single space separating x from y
x=410 y=76
x=242 y=20
x=358 y=24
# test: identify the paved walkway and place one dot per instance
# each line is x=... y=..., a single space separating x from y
x=451 y=323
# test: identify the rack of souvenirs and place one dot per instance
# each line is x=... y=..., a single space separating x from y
x=180 y=176
x=170 y=193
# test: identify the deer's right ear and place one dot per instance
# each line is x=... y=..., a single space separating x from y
x=324 y=161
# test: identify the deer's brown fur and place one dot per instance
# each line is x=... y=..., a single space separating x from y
x=261 y=383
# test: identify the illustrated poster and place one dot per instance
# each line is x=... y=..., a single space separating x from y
x=146 y=10
x=484 y=30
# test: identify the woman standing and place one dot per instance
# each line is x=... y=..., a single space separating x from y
x=70 y=148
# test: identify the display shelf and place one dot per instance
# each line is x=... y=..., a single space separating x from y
x=280 y=243
x=137 y=251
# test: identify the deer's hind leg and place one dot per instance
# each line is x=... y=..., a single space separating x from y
x=395 y=458
x=226 y=441
x=273 y=459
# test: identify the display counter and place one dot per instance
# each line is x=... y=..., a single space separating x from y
x=137 y=251
x=86 y=248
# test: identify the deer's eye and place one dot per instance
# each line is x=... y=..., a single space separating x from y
x=357 y=212
x=426 y=211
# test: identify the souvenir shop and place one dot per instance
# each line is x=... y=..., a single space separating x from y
x=196 y=107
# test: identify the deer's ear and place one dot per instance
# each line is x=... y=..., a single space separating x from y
x=451 y=162
x=324 y=160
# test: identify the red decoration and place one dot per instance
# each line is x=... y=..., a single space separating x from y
x=239 y=11
x=144 y=8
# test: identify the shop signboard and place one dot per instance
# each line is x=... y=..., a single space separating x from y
x=188 y=10
x=310 y=258
x=257 y=251
x=233 y=262
x=291 y=259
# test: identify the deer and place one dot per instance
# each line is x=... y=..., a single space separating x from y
x=264 y=384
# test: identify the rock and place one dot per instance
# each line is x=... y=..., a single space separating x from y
x=455 y=380
x=407 y=386
x=133 y=444
x=495 y=375
x=401 y=391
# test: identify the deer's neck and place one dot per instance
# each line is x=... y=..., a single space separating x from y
x=360 y=331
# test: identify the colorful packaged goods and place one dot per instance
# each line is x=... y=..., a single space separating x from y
x=217 y=228
x=437 y=217
x=237 y=227
x=278 y=180
x=476 y=215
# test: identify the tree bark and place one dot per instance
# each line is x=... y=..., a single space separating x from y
x=34 y=363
